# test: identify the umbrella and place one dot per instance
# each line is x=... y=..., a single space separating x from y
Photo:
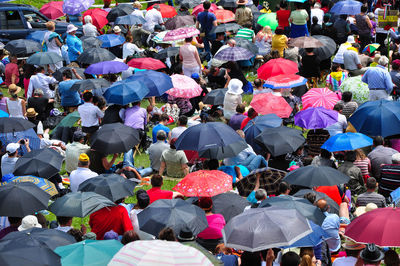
x=224 y=16
x=58 y=75
x=234 y=54
x=37 y=36
x=312 y=240
x=188 y=3
x=315 y=118
x=79 y=204
x=229 y=204
x=43 y=163
x=370 y=48
x=199 y=8
x=98 y=86
x=22 y=47
x=303 y=206
x=348 y=7
x=181 y=33
x=4 y=114
x=280 y=140
x=14 y=124
x=157 y=82
x=89 y=252
x=268 y=19
x=95 y=55
x=246 y=44
x=228 y=151
x=267 y=103
x=270 y=179
x=42 y=183
x=73 y=7
x=21 y=199
x=115 y=138
x=159 y=38
x=228 y=27
x=44 y=58
x=347 y=142
x=275 y=67
x=166 y=10
x=311 y=176
x=285 y=81
x=167 y=53
x=111 y=186
x=69 y=120
x=90 y=42
x=125 y=92
x=130 y=20
x=157 y=252
x=53 y=9
x=377 y=226
x=306 y=42
x=319 y=97
x=179 y=22
x=111 y=40
x=267 y=228
x=146 y=63
x=333 y=206
x=174 y=213
x=99 y=17
x=106 y=67
x=14 y=137
x=204 y=183
x=119 y=11
x=359 y=89
x=215 y=97
x=377 y=118
x=325 y=51
x=184 y=87
x=227 y=3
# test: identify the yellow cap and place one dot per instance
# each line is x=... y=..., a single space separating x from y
x=83 y=157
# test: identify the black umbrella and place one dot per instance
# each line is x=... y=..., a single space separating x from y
x=244 y=43
x=189 y=4
x=179 y=22
x=215 y=97
x=229 y=204
x=58 y=75
x=222 y=152
x=22 y=47
x=111 y=186
x=119 y=11
x=175 y=213
x=311 y=212
x=311 y=176
x=227 y=3
x=95 y=55
x=167 y=53
x=280 y=140
x=325 y=51
x=41 y=236
x=90 y=42
x=115 y=138
x=43 y=163
x=21 y=199
x=91 y=84
x=79 y=204
x=14 y=124
x=44 y=58
x=333 y=206
x=226 y=27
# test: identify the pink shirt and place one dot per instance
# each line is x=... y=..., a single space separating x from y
x=11 y=68
x=216 y=223
x=188 y=53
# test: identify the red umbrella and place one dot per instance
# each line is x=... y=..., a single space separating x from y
x=317 y=97
x=99 y=17
x=275 y=67
x=267 y=103
x=224 y=16
x=379 y=226
x=204 y=184
x=146 y=63
x=52 y=10
x=166 y=10
x=200 y=8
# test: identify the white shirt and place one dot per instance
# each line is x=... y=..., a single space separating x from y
x=153 y=17
x=319 y=13
x=127 y=73
x=129 y=49
x=90 y=114
x=41 y=81
x=80 y=175
x=177 y=131
x=138 y=13
x=339 y=127
x=345 y=261
x=90 y=30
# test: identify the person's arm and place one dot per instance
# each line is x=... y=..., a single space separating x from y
x=196 y=54
x=131 y=169
x=76 y=73
x=23 y=106
x=197 y=25
x=58 y=43
x=28 y=149
x=368 y=22
x=185 y=169
x=106 y=164
x=162 y=168
x=215 y=24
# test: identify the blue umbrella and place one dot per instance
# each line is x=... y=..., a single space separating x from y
x=157 y=83
x=106 y=67
x=347 y=7
x=377 y=118
x=3 y=114
x=37 y=36
x=125 y=92
x=311 y=240
x=130 y=20
x=111 y=40
x=346 y=142
x=315 y=118
x=34 y=141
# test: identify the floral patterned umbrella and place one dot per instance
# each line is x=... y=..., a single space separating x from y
x=357 y=87
x=73 y=7
x=224 y=16
x=181 y=33
x=184 y=87
x=319 y=97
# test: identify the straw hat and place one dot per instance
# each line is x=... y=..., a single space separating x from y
x=352 y=245
x=31 y=112
x=13 y=89
x=363 y=209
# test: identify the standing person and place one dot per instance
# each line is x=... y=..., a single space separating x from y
x=89 y=29
x=90 y=114
x=363 y=163
x=73 y=150
x=310 y=64
x=11 y=71
x=364 y=27
x=82 y=173
x=298 y=18
x=69 y=98
x=190 y=58
x=279 y=41
x=205 y=22
x=315 y=28
x=379 y=81
x=282 y=15
x=316 y=11
x=243 y=14
x=52 y=43
x=233 y=97
x=74 y=43
x=16 y=106
x=153 y=17
x=342 y=29
x=263 y=40
x=41 y=81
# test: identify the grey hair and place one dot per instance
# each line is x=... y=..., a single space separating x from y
x=383 y=61
x=38 y=92
x=317 y=5
x=260 y=194
x=88 y=19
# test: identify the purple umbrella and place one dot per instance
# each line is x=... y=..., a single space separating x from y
x=234 y=54
x=73 y=7
x=315 y=118
x=106 y=67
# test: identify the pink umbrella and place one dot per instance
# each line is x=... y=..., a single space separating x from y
x=199 y=8
x=180 y=34
x=317 y=97
x=267 y=103
x=184 y=87
x=52 y=10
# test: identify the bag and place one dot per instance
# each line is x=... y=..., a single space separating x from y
x=202 y=35
x=52 y=121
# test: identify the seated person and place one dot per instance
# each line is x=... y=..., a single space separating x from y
x=370 y=196
x=174 y=162
x=156 y=193
x=390 y=178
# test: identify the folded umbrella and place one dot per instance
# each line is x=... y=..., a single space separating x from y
x=99 y=17
x=228 y=27
x=14 y=124
x=106 y=67
x=197 y=9
x=306 y=42
x=130 y=20
x=73 y=7
x=157 y=82
x=215 y=97
x=268 y=19
x=179 y=22
x=268 y=103
x=275 y=67
x=53 y=9
x=125 y=92
x=246 y=44
x=58 y=75
x=167 y=53
x=95 y=55
x=146 y=63
x=37 y=36
x=44 y=58
x=358 y=88
x=111 y=40
x=119 y=11
x=347 y=142
x=42 y=183
x=324 y=52
x=315 y=118
x=333 y=206
x=234 y=54
x=317 y=97
x=165 y=10
x=184 y=87
x=285 y=81
x=224 y=16
x=348 y=7
x=270 y=179
x=181 y=33
x=312 y=176
x=22 y=47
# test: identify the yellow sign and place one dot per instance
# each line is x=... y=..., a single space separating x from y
x=391 y=19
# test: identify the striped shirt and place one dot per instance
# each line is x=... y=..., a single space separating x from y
x=246 y=33
x=363 y=165
x=390 y=179
x=371 y=197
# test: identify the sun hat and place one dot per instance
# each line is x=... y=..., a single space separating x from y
x=371 y=254
x=12 y=147
x=137 y=4
x=117 y=29
x=363 y=209
x=83 y=157
x=352 y=245
x=28 y=222
x=71 y=28
x=185 y=235
x=31 y=112
x=14 y=89
x=350 y=39
x=235 y=86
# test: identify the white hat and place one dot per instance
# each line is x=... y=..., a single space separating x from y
x=117 y=29
x=71 y=28
x=350 y=39
x=396 y=158
x=363 y=209
x=235 y=86
x=12 y=147
x=28 y=222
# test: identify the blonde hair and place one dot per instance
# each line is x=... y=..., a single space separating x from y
x=50 y=25
x=222 y=248
x=360 y=155
x=267 y=30
x=306 y=260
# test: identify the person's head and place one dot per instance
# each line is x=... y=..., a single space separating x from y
x=290 y=259
x=267 y=30
x=252 y=113
x=128 y=38
x=50 y=25
x=143 y=199
x=189 y=40
x=311 y=197
x=71 y=29
x=206 y=203
x=64 y=221
x=212 y=164
x=67 y=74
x=88 y=96
x=364 y=9
x=13 y=90
x=137 y=5
x=309 y=50
x=76 y=233
x=284 y=188
x=279 y=31
x=117 y=30
x=206 y=5
x=164 y=118
x=347 y=96
x=322 y=204
x=326 y=154
x=38 y=93
x=350 y=156
x=372 y=255
x=371 y=183
x=161 y=135
x=360 y=155
x=13 y=59
x=248 y=25
x=157 y=7
x=338 y=107
x=378 y=140
x=391 y=258
x=172 y=143
x=231 y=42
x=396 y=65
x=383 y=61
x=326 y=19
x=167 y=234
x=314 y=20
x=107 y=3
x=396 y=158
x=220 y=36
x=317 y=5
x=336 y=67
x=79 y=136
x=182 y=120
x=129 y=236
x=221 y=248
x=83 y=160
x=298 y=5
x=12 y=149
x=88 y=19
x=240 y=108
x=31 y=114
x=260 y=194
x=283 y=4
x=156 y=181
x=258 y=83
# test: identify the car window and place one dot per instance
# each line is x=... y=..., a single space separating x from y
x=11 y=20
x=34 y=19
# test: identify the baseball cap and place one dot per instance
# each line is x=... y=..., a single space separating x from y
x=12 y=147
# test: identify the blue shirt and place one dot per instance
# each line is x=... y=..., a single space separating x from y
x=68 y=96
x=206 y=20
x=74 y=46
x=378 y=78
x=156 y=129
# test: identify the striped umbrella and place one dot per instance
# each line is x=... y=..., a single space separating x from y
x=234 y=54
x=157 y=252
x=224 y=16
x=181 y=33
x=184 y=87
x=370 y=48
x=267 y=103
x=319 y=97
x=42 y=183
x=285 y=81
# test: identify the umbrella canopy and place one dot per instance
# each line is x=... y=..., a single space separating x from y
x=229 y=204
x=275 y=67
x=119 y=11
x=188 y=3
x=44 y=58
x=268 y=19
x=326 y=51
x=228 y=27
x=130 y=20
x=165 y=10
x=314 y=239
x=200 y=8
x=224 y=16
x=347 y=142
x=159 y=38
x=377 y=118
x=22 y=47
x=73 y=7
x=4 y=114
x=246 y=44
x=222 y=152
x=58 y=75
x=97 y=86
x=359 y=89
x=267 y=103
x=69 y=120
x=146 y=63
x=311 y=176
x=227 y=4
x=333 y=206
x=319 y=97
x=115 y=138
x=348 y=7
x=285 y=81
x=42 y=183
x=90 y=42
x=99 y=17
x=215 y=97
x=14 y=137
x=157 y=252
x=95 y=55
x=370 y=48
x=280 y=140
x=43 y=163
x=269 y=180
x=79 y=204
x=267 y=228
x=181 y=33
x=14 y=124
x=89 y=252
x=204 y=183
x=174 y=213
x=111 y=186
x=106 y=67
x=125 y=92
x=53 y=9
x=306 y=42
x=167 y=53
x=157 y=82
x=234 y=54
x=111 y=40
x=37 y=36
x=179 y=22
x=315 y=118
x=184 y=87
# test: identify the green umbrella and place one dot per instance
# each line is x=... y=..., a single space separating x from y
x=88 y=252
x=357 y=87
x=268 y=19
x=69 y=120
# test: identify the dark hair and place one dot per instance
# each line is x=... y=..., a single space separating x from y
x=335 y=67
x=99 y=101
x=257 y=82
x=364 y=9
x=211 y=164
x=67 y=74
x=251 y=112
x=309 y=50
x=378 y=140
x=247 y=25
x=326 y=154
x=183 y=120
x=162 y=135
x=190 y=39
x=314 y=20
x=250 y=258
x=156 y=180
x=391 y=258
x=311 y=197
x=77 y=234
x=129 y=236
x=346 y=96
x=143 y=199
x=338 y=107
x=298 y=5
x=283 y=4
x=164 y=117
x=326 y=19
x=14 y=220
x=62 y=220
x=87 y=96
x=240 y=108
x=290 y=259
x=206 y=5
x=167 y=234
x=279 y=31
x=205 y=203
x=39 y=69
x=350 y=156
x=283 y=187
x=371 y=183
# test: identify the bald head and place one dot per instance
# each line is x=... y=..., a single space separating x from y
x=322 y=204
